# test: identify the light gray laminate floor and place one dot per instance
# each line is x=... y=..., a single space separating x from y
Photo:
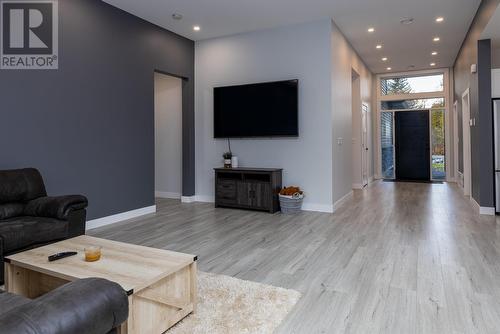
x=396 y=258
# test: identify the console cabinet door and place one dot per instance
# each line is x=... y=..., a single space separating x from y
x=259 y=194
x=243 y=192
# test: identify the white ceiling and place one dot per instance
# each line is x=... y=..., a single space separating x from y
x=492 y=32
x=403 y=45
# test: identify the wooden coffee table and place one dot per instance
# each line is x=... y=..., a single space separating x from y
x=161 y=284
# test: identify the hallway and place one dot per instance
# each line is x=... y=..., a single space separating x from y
x=396 y=258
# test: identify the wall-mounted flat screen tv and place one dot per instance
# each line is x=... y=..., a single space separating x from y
x=257 y=110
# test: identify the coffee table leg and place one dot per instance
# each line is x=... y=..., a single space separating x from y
x=194 y=285
x=16 y=280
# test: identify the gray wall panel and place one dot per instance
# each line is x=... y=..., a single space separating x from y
x=89 y=126
x=467 y=56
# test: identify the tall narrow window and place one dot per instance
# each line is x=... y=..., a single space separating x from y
x=438 y=144
x=387 y=141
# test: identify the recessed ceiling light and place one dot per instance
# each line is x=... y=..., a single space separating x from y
x=196 y=28
x=384 y=59
x=407 y=20
x=177 y=16
x=434 y=53
x=371 y=29
x=432 y=64
x=439 y=19
x=389 y=68
x=379 y=46
x=436 y=39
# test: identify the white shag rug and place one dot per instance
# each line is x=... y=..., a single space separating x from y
x=228 y=305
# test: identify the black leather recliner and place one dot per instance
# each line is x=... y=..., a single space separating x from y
x=29 y=218
x=90 y=306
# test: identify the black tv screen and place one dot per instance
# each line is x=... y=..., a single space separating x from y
x=257 y=110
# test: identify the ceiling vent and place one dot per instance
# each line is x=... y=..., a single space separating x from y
x=407 y=20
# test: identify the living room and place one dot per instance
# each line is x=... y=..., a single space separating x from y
x=215 y=167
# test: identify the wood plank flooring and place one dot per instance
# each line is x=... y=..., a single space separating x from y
x=396 y=258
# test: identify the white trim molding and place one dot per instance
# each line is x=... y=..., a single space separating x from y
x=205 y=198
x=357 y=186
x=483 y=210
x=99 y=222
x=166 y=194
x=341 y=201
x=317 y=207
x=188 y=199
x=305 y=207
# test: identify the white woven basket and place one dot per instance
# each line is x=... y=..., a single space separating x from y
x=291 y=204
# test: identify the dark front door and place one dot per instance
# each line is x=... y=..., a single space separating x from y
x=412 y=145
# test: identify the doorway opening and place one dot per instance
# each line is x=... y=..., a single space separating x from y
x=360 y=159
x=466 y=142
x=168 y=136
x=412 y=120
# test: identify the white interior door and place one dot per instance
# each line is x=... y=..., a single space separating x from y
x=456 y=142
x=364 y=143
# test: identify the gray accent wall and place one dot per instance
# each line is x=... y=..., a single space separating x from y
x=89 y=126
x=485 y=126
x=475 y=52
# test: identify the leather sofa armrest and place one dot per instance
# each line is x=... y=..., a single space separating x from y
x=55 y=207
x=91 y=306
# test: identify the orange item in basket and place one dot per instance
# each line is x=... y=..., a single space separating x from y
x=289 y=191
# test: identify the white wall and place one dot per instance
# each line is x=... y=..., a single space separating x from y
x=356 y=140
x=294 y=52
x=495 y=83
x=344 y=59
x=168 y=136
x=495 y=56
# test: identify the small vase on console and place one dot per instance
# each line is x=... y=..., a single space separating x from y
x=227 y=159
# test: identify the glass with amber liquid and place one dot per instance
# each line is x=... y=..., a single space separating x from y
x=92 y=253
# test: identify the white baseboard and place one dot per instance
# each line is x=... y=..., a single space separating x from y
x=305 y=207
x=483 y=210
x=188 y=199
x=357 y=186
x=205 y=198
x=341 y=201
x=166 y=194
x=317 y=207
x=476 y=204
x=95 y=223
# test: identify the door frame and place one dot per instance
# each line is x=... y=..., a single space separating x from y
x=456 y=142
x=446 y=93
x=364 y=145
x=495 y=143
x=466 y=143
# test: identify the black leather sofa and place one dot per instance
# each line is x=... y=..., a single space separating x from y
x=29 y=218
x=90 y=306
